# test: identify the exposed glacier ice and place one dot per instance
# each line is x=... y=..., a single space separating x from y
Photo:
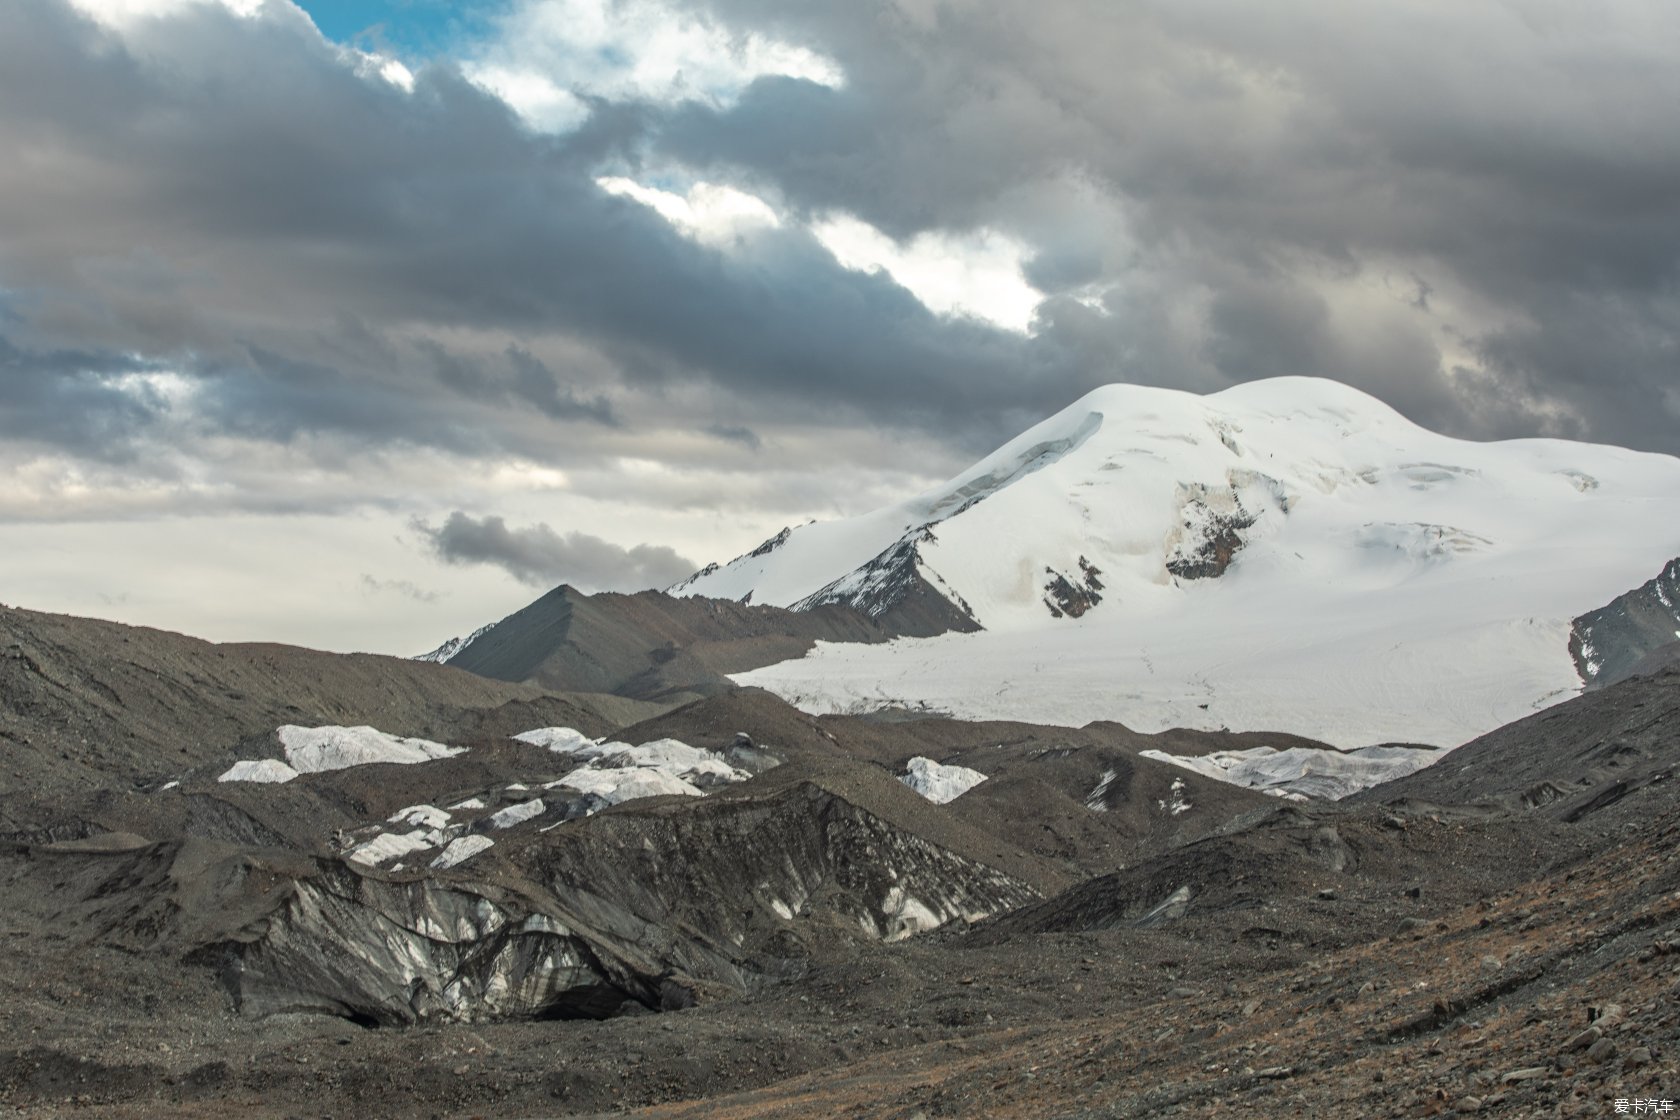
x=938 y=782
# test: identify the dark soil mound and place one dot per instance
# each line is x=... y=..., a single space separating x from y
x=651 y=645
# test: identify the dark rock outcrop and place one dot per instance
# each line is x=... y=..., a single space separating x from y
x=1609 y=644
x=1219 y=539
x=1072 y=597
x=1214 y=521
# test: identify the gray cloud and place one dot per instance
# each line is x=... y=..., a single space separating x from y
x=408 y=589
x=736 y=433
x=539 y=556
x=84 y=400
x=268 y=238
x=1469 y=211
x=536 y=383
x=1510 y=160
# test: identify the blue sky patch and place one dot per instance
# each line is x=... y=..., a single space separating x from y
x=412 y=29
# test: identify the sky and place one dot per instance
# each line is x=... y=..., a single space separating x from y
x=360 y=324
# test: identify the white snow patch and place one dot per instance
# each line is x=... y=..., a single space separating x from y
x=627 y=783
x=454 y=645
x=939 y=783
x=617 y=772
x=513 y=814
x=310 y=750
x=420 y=816
x=262 y=770
x=461 y=850
x=390 y=845
x=560 y=740
x=1178 y=803
x=469 y=803
x=169 y=785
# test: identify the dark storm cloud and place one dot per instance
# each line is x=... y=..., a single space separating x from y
x=273 y=196
x=1513 y=162
x=1472 y=211
x=85 y=401
x=538 y=385
x=542 y=557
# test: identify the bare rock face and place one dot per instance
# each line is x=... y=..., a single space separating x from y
x=1071 y=597
x=1217 y=545
x=1213 y=522
x=1610 y=643
x=772 y=544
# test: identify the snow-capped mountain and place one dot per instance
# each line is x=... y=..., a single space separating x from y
x=1288 y=555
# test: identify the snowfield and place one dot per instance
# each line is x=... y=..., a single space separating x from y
x=311 y=750
x=1286 y=555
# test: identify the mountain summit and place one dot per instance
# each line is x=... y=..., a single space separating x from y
x=1288 y=554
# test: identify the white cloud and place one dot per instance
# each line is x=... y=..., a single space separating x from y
x=123 y=15
x=711 y=213
x=976 y=274
x=547 y=52
x=532 y=94
x=372 y=64
x=119 y=13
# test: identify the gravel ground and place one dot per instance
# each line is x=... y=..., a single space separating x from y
x=1417 y=953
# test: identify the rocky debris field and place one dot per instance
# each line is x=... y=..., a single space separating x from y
x=1087 y=932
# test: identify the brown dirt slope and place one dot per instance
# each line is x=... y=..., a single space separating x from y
x=86 y=703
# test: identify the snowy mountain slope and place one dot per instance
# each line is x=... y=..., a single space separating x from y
x=1285 y=555
x=453 y=646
